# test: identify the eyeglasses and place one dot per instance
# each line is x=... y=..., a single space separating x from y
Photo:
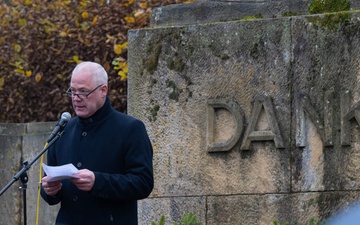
x=70 y=93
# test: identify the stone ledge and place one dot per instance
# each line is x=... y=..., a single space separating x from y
x=211 y=11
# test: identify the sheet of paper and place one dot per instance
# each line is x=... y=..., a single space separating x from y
x=60 y=172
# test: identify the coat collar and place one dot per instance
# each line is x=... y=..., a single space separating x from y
x=98 y=115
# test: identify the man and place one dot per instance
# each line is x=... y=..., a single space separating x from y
x=111 y=150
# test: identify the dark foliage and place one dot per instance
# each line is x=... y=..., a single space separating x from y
x=41 y=42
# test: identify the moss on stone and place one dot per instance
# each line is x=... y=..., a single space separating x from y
x=334 y=11
x=328 y=6
x=330 y=21
x=151 y=61
x=289 y=14
x=176 y=64
x=254 y=17
x=174 y=95
x=224 y=56
x=153 y=113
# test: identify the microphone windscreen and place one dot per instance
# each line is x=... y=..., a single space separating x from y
x=66 y=116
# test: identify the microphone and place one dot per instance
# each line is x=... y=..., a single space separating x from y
x=65 y=117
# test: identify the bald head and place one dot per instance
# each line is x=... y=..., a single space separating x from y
x=95 y=70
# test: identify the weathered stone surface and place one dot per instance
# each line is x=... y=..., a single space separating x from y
x=22 y=142
x=172 y=208
x=294 y=208
x=294 y=82
x=219 y=62
x=326 y=84
x=10 y=162
x=212 y=11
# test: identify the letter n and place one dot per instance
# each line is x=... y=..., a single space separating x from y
x=352 y=113
x=323 y=124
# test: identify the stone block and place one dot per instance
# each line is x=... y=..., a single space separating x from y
x=213 y=11
x=296 y=208
x=233 y=61
x=173 y=209
x=239 y=111
x=23 y=142
x=326 y=78
x=10 y=163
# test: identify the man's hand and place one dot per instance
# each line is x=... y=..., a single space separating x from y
x=85 y=180
x=51 y=188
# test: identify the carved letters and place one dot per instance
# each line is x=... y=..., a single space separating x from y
x=324 y=122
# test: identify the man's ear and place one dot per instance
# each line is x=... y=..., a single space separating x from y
x=104 y=91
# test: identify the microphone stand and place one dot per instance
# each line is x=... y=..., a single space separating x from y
x=22 y=173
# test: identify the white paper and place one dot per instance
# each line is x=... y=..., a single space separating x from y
x=60 y=172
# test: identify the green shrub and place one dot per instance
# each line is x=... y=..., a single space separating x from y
x=186 y=219
x=190 y=219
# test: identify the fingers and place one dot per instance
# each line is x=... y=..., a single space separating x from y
x=51 y=188
x=85 y=180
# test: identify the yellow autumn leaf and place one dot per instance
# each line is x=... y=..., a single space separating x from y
x=128 y=3
x=125 y=68
x=5 y=21
x=2 y=82
x=84 y=26
x=22 y=22
x=17 y=47
x=121 y=65
x=85 y=15
x=83 y=3
x=38 y=77
x=143 y=5
x=76 y=59
x=28 y=73
x=129 y=19
x=28 y=2
x=94 y=21
x=64 y=32
x=123 y=75
x=21 y=71
x=62 y=3
x=124 y=45
x=17 y=65
x=117 y=49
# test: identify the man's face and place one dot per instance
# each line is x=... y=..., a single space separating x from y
x=82 y=83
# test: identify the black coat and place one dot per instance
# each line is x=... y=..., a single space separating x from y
x=117 y=149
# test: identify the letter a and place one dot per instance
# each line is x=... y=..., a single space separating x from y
x=264 y=135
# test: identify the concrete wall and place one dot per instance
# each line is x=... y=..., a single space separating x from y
x=251 y=121
x=19 y=143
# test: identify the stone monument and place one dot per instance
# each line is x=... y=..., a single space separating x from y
x=252 y=121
